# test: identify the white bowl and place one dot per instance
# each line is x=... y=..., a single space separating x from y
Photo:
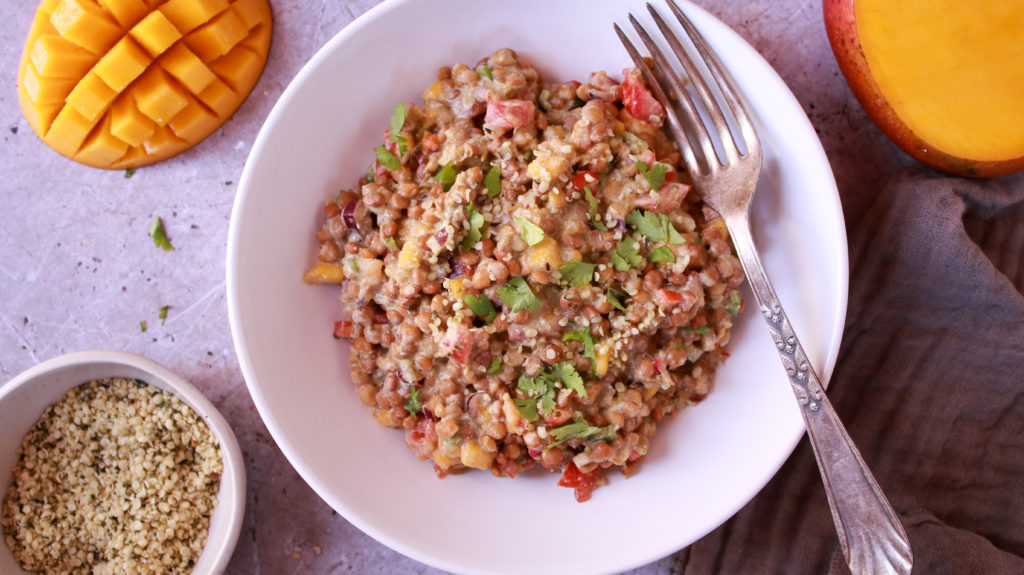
x=705 y=462
x=24 y=398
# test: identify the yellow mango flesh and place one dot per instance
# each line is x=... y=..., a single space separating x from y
x=125 y=83
x=953 y=71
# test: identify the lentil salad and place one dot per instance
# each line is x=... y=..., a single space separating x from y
x=526 y=276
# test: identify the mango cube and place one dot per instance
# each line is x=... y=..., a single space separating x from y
x=128 y=124
x=217 y=37
x=85 y=24
x=91 y=96
x=159 y=98
x=239 y=67
x=187 y=68
x=122 y=64
x=45 y=91
x=155 y=33
x=187 y=15
x=193 y=121
x=101 y=147
x=126 y=12
x=55 y=57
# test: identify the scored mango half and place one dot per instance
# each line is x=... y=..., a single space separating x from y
x=125 y=83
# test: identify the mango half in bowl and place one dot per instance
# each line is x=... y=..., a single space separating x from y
x=126 y=83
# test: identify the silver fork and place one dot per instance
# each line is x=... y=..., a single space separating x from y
x=871 y=536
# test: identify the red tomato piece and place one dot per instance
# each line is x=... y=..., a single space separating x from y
x=506 y=114
x=639 y=101
x=342 y=329
x=667 y=199
x=583 y=483
x=668 y=298
x=584 y=179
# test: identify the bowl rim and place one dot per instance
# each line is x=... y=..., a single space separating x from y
x=231 y=496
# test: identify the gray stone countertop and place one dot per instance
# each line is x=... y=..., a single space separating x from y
x=78 y=270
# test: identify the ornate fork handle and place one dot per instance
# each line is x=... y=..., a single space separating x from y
x=870 y=534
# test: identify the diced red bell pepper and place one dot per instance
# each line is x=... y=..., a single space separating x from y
x=583 y=483
x=584 y=179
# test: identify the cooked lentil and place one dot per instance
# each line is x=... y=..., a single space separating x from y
x=525 y=277
x=117 y=476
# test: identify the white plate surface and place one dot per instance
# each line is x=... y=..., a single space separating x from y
x=705 y=462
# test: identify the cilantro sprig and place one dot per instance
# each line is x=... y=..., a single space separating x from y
x=578 y=429
x=518 y=296
x=475 y=231
x=592 y=210
x=397 y=123
x=412 y=404
x=654 y=226
x=492 y=181
x=159 y=235
x=387 y=159
x=446 y=175
x=481 y=306
x=583 y=335
x=662 y=254
x=626 y=254
x=655 y=174
x=577 y=273
x=544 y=387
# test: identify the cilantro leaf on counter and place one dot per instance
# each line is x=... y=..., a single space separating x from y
x=447 y=176
x=492 y=181
x=570 y=378
x=397 y=123
x=532 y=234
x=577 y=273
x=662 y=254
x=481 y=306
x=485 y=71
x=412 y=405
x=162 y=314
x=387 y=159
x=592 y=210
x=518 y=296
x=143 y=326
x=655 y=174
x=129 y=173
x=475 y=231
x=626 y=254
x=159 y=235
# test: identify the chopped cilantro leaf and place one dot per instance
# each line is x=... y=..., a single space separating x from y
x=626 y=254
x=159 y=235
x=495 y=366
x=654 y=226
x=700 y=330
x=575 y=430
x=532 y=234
x=397 y=123
x=475 y=231
x=733 y=303
x=655 y=174
x=518 y=296
x=447 y=176
x=142 y=326
x=592 y=210
x=539 y=386
x=162 y=314
x=583 y=335
x=527 y=408
x=662 y=254
x=129 y=173
x=387 y=159
x=613 y=298
x=391 y=243
x=481 y=306
x=412 y=405
x=492 y=181
x=570 y=378
x=485 y=71
x=577 y=273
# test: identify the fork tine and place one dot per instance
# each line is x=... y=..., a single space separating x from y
x=722 y=77
x=681 y=134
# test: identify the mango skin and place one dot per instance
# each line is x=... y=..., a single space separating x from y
x=126 y=83
x=844 y=38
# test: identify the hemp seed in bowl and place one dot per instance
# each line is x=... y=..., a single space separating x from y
x=117 y=476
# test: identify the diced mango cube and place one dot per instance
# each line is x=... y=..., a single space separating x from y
x=126 y=12
x=251 y=12
x=410 y=255
x=542 y=256
x=67 y=132
x=187 y=68
x=475 y=456
x=128 y=124
x=217 y=37
x=45 y=91
x=101 y=147
x=159 y=97
x=187 y=15
x=434 y=92
x=239 y=68
x=91 y=96
x=325 y=273
x=85 y=24
x=194 y=122
x=122 y=64
x=457 y=288
x=443 y=461
x=155 y=33
x=164 y=141
x=39 y=116
x=219 y=98
x=55 y=57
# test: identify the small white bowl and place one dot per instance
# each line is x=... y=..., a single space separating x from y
x=23 y=399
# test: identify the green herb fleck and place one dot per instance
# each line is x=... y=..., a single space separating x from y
x=634 y=140
x=391 y=243
x=592 y=210
x=485 y=71
x=539 y=386
x=481 y=306
x=397 y=123
x=159 y=235
x=613 y=298
x=129 y=173
x=733 y=303
x=527 y=408
x=570 y=378
x=626 y=254
x=475 y=231
x=387 y=159
x=532 y=234
x=663 y=254
x=412 y=404
x=163 y=314
x=492 y=181
x=143 y=326
x=655 y=174
x=699 y=330
x=583 y=335
x=495 y=367
x=575 y=430
x=577 y=273
x=447 y=176
x=518 y=296
x=654 y=226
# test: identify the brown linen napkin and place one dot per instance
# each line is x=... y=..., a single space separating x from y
x=930 y=384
